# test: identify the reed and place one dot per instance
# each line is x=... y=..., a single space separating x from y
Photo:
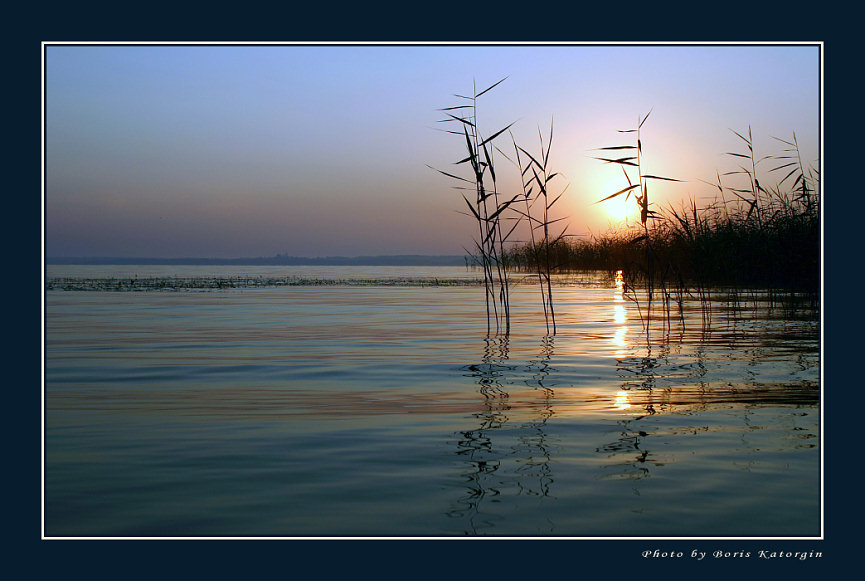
x=751 y=236
x=649 y=267
x=486 y=206
x=497 y=215
x=536 y=173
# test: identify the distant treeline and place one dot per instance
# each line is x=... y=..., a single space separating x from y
x=278 y=260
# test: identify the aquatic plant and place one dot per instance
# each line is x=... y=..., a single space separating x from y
x=633 y=158
x=804 y=184
x=542 y=247
x=751 y=236
x=486 y=207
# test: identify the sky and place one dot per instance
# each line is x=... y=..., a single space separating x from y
x=325 y=150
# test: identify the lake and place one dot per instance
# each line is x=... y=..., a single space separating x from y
x=228 y=401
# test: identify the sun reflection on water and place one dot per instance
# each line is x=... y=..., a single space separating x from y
x=619 y=340
x=619 y=316
x=622 y=402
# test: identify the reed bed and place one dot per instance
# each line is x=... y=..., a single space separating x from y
x=698 y=246
x=751 y=236
x=748 y=237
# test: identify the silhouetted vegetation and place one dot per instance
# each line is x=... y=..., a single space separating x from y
x=486 y=206
x=537 y=174
x=498 y=215
x=750 y=236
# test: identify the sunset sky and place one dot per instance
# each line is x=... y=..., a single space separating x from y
x=322 y=150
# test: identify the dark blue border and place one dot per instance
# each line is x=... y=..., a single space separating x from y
x=406 y=559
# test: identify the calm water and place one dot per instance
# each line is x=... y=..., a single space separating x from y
x=373 y=405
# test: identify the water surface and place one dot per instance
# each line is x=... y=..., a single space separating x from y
x=359 y=402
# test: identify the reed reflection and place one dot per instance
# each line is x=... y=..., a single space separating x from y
x=509 y=451
x=647 y=377
x=718 y=362
x=627 y=456
x=630 y=458
x=534 y=442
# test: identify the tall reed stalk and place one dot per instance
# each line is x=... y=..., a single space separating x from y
x=486 y=207
x=755 y=188
x=633 y=158
x=753 y=237
x=543 y=245
x=802 y=184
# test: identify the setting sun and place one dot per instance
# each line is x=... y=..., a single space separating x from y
x=621 y=207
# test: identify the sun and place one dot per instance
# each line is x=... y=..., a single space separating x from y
x=622 y=206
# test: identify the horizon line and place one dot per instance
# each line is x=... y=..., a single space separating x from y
x=278 y=259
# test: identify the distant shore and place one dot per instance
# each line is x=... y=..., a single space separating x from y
x=278 y=260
